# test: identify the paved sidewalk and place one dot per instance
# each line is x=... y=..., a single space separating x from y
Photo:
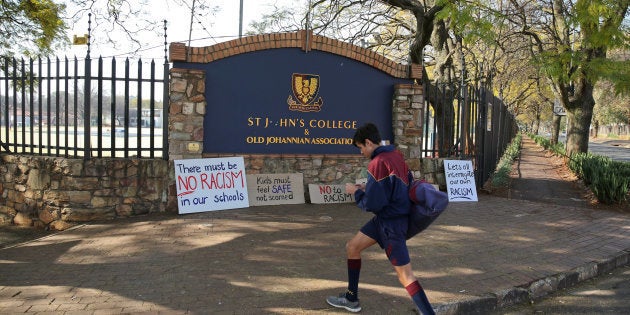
x=536 y=178
x=287 y=259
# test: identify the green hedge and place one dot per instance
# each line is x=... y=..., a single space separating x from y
x=608 y=180
x=557 y=149
x=502 y=173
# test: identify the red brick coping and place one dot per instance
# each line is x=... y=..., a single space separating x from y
x=299 y=39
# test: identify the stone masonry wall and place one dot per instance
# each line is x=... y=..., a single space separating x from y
x=57 y=193
x=408 y=112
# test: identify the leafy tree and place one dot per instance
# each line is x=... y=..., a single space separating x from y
x=114 y=22
x=39 y=27
x=447 y=36
x=31 y=27
x=610 y=108
x=570 y=41
x=129 y=27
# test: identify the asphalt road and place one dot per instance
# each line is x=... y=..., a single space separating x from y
x=617 y=150
x=609 y=294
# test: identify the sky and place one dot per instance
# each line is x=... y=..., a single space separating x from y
x=206 y=30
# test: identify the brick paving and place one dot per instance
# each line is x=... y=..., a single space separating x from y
x=287 y=259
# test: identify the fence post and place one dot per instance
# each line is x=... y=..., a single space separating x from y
x=165 y=101
x=481 y=130
x=87 y=108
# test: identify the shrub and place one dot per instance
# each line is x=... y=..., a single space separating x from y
x=608 y=186
x=608 y=180
x=502 y=173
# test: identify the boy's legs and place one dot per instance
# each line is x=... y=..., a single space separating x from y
x=357 y=244
x=354 y=247
x=409 y=281
x=405 y=274
x=398 y=254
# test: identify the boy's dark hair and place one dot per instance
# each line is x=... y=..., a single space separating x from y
x=367 y=131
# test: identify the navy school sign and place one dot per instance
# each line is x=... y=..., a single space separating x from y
x=291 y=101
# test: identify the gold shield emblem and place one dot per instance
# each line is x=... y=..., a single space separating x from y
x=305 y=90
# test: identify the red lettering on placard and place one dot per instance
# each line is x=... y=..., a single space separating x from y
x=189 y=182
x=325 y=189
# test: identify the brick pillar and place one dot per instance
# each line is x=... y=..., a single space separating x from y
x=186 y=112
x=408 y=110
x=185 y=121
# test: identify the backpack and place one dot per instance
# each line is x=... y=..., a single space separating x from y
x=427 y=203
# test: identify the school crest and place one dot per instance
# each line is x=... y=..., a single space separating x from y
x=305 y=93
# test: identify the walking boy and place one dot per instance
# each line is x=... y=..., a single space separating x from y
x=386 y=195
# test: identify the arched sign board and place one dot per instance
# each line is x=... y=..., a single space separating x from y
x=288 y=101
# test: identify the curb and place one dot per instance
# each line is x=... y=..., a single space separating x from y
x=535 y=290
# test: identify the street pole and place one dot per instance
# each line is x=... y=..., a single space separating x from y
x=240 y=21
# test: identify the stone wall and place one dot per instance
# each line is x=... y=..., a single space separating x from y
x=57 y=193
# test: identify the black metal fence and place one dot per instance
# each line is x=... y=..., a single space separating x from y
x=468 y=123
x=84 y=108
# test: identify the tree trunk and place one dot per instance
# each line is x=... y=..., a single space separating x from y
x=579 y=122
x=446 y=81
x=537 y=122
x=440 y=97
x=444 y=121
x=555 y=128
x=435 y=31
x=596 y=128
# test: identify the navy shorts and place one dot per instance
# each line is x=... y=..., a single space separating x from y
x=390 y=234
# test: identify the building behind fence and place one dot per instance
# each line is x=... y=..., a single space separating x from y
x=84 y=108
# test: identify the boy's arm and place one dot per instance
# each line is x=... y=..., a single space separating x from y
x=372 y=198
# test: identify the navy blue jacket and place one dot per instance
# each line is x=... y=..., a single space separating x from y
x=387 y=190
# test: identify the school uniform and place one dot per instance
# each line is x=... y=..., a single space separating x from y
x=387 y=196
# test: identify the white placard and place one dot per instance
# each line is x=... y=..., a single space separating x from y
x=210 y=184
x=275 y=189
x=460 y=180
x=329 y=194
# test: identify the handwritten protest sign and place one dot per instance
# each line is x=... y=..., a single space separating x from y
x=460 y=180
x=329 y=194
x=275 y=189
x=210 y=184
